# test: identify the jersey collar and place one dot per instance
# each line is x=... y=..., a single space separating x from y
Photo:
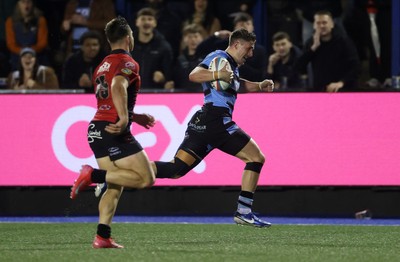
x=231 y=60
x=120 y=51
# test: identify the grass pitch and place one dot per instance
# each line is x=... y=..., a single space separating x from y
x=200 y=242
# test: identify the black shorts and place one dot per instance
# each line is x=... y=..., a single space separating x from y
x=105 y=144
x=212 y=127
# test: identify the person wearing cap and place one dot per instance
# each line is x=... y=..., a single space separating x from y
x=31 y=75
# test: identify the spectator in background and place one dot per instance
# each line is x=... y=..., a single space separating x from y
x=152 y=52
x=26 y=27
x=83 y=15
x=203 y=15
x=79 y=67
x=307 y=9
x=283 y=15
x=168 y=23
x=369 y=25
x=6 y=9
x=281 y=64
x=225 y=9
x=256 y=66
x=32 y=75
x=188 y=60
x=332 y=55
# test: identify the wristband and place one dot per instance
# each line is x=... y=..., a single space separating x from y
x=213 y=73
x=218 y=74
x=259 y=86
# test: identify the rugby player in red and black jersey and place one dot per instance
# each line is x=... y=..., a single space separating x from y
x=121 y=159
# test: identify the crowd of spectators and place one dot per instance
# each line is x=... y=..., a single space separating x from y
x=312 y=45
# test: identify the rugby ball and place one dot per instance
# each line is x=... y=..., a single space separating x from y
x=217 y=64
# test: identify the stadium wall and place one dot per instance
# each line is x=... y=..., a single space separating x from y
x=327 y=154
x=383 y=202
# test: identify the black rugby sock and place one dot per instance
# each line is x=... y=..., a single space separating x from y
x=98 y=176
x=104 y=230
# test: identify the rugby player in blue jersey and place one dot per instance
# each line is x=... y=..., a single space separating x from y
x=212 y=126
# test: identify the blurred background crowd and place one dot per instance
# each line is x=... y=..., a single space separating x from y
x=57 y=44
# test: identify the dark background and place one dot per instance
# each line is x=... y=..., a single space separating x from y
x=383 y=202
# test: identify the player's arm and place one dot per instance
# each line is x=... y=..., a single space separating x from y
x=266 y=85
x=200 y=74
x=119 y=93
x=144 y=120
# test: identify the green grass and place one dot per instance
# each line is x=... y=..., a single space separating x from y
x=200 y=242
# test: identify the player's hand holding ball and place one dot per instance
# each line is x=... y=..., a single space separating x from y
x=222 y=73
x=226 y=74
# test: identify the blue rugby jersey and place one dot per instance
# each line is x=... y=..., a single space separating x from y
x=221 y=98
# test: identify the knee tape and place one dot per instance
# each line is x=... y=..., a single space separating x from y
x=176 y=169
x=254 y=166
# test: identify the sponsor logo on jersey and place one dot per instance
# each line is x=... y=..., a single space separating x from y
x=198 y=128
x=126 y=71
x=130 y=64
x=105 y=107
x=104 y=67
x=114 y=151
x=93 y=134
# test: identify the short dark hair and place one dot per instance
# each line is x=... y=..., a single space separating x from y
x=117 y=29
x=91 y=35
x=148 y=11
x=242 y=34
x=241 y=17
x=278 y=36
x=324 y=12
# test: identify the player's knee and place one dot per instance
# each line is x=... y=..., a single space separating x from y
x=254 y=166
x=148 y=181
x=260 y=158
x=174 y=170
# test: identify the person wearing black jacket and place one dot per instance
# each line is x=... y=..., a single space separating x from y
x=79 y=67
x=152 y=51
x=281 y=64
x=333 y=57
x=188 y=59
